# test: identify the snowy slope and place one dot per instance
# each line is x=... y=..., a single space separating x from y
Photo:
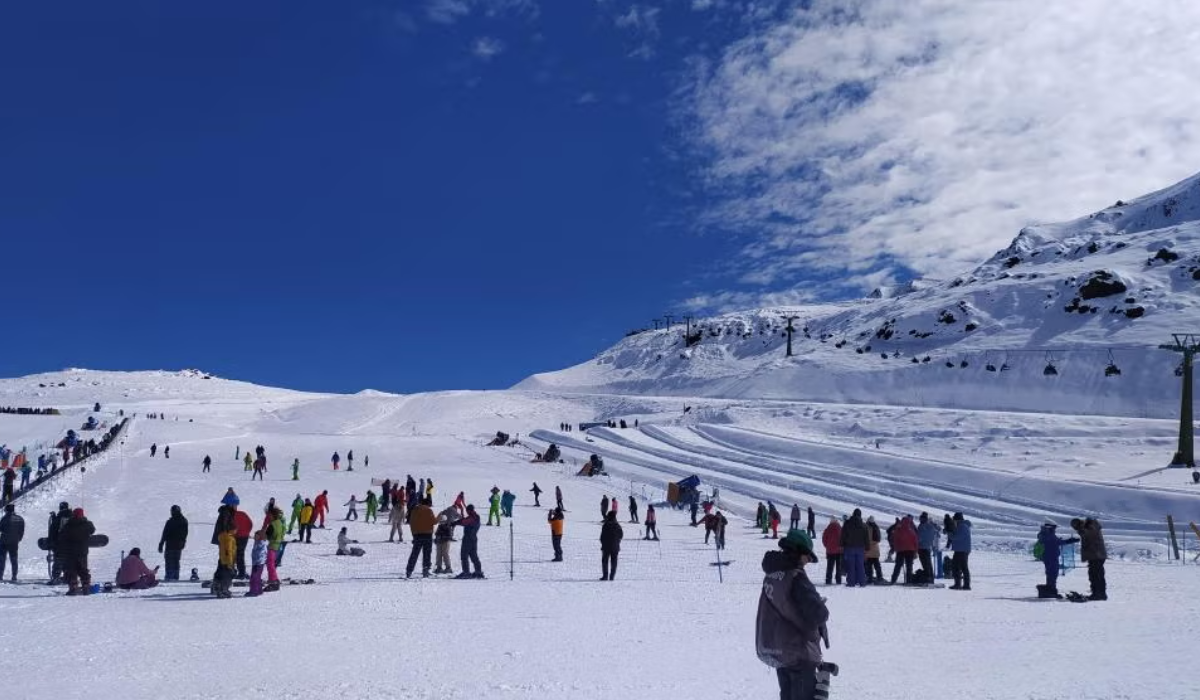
x=1119 y=281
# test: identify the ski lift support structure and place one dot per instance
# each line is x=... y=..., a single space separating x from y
x=1187 y=344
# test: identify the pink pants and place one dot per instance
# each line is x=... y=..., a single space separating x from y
x=272 y=575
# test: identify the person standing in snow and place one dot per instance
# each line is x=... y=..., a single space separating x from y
x=695 y=510
x=906 y=542
x=722 y=523
x=633 y=515
x=494 y=507
x=794 y=523
x=927 y=539
x=207 y=464
x=558 y=497
x=243 y=527
x=651 y=523
x=460 y=504
x=372 y=507
x=1092 y=551
x=874 y=570
x=812 y=523
x=506 y=503
x=385 y=496
x=336 y=459
x=167 y=452
x=226 y=555
x=247 y=462
x=443 y=535
x=422 y=521
x=396 y=521
x=73 y=544
x=469 y=550
x=832 y=539
x=775 y=518
x=854 y=549
x=258 y=561
x=172 y=542
x=297 y=507
x=350 y=461
x=153 y=449
x=275 y=533
x=610 y=546
x=556 y=519
x=429 y=489
x=960 y=544
x=296 y=469
x=307 y=515
x=537 y=495
x=1051 y=553
x=352 y=514
x=320 y=508
x=12 y=531
x=791 y=618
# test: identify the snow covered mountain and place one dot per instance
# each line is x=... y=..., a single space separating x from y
x=1104 y=289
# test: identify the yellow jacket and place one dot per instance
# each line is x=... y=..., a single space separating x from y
x=227 y=548
x=306 y=515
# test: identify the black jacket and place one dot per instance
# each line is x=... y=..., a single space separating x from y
x=175 y=533
x=73 y=538
x=854 y=533
x=12 y=529
x=610 y=536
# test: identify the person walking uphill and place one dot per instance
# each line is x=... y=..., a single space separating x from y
x=791 y=618
x=469 y=550
x=421 y=523
x=832 y=539
x=73 y=543
x=855 y=539
x=1093 y=551
x=172 y=542
x=1051 y=553
x=12 y=531
x=611 y=535
x=960 y=544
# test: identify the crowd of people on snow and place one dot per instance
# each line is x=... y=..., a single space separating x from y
x=18 y=473
x=25 y=411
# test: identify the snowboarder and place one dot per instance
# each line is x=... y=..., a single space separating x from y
x=651 y=523
x=610 y=546
x=73 y=548
x=134 y=575
x=633 y=514
x=296 y=469
x=57 y=520
x=557 y=520
x=12 y=531
x=352 y=514
x=1051 y=552
x=537 y=495
x=172 y=542
x=791 y=618
x=1092 y=551
x=207 y=464
x=421 y=523
x=960 y=544
x=832 y=539
x=468 y=552
x=321 y=507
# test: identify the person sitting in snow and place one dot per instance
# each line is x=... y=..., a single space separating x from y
x=344 y=542
x=134 y=574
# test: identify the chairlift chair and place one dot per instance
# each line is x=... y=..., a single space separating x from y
x=1050 y=370
x=1112 y=370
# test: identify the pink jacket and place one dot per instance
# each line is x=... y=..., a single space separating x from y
x=132 y=569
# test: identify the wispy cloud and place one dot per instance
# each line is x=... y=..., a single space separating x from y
x=451 y=11
x=447 y=11
x=587 y=98
x=866 y=138
x=642 y=23
x=486 y=48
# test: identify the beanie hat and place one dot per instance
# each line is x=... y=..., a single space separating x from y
x=797 y=540
x=78 y=512
x=958 y=516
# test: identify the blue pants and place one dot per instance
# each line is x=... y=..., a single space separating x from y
x=856 y=569
x=1051 y=573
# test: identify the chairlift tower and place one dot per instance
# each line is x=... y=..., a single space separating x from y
x=790 y=330
x=1187 y=344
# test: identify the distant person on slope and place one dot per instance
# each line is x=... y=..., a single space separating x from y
x=927 y=539
x=558 y=497
x=167 y=452
x=537 y=495
x=791 y=618
x=556 y=519
x=296 y=469
x=960 y=544
x=153 y=449
x=604 y=507
x=172 y=542
x=494 y=507
x=469 y=551
x=633 y=514
x=651 y=523
x=336 y=459
x=1093 y=551
x=247 y=461
x=396 y=521
x=610 y=546
x=207 y=464
x=832 y=539
x=812 y=523
x=350 y=461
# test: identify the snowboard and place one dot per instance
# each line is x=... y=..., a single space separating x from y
x=43 y=543
x=1077 y=597
x=236 y=583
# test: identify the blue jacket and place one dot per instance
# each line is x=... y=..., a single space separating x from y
x=1052 y=543
x=960 y=539
x=927 y=535
x=231 y=499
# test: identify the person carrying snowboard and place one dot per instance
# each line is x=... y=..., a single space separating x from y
x=791 y=618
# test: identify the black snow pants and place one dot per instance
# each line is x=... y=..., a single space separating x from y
x=422 y=546
x=1095 y=578
x=608 y=564
x=833 y=563
x=172 y=561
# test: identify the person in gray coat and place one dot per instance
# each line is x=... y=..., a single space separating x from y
x=1093 y=551
x=791 y=618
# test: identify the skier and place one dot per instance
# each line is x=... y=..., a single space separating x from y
x=352 y=514
x=12 y=531
x=874 y=570
x=443 y=535
x=167 y=452
x=372 y=507
x=469 y=551
x=350 y=461
x=633 y=516
x=558 y=497
x=247 y=462
x=960 y=544
x=537 y=495
x=296 y=469
x=172 y=542
x=795 y=519
x=207 y=464
x=1093 y=551
x=297 y=507
x=421 y=523
x=307 y=516
x=1051 y=552
x=557 y=520
x=336 y=459
x=134 y=575
x=396 y=520
x=651 y=523
x=927 y=539
x=604 y=507
x=791 y=618
x=610 y=546
x=73 y=548
x=494 y=507
x=832 y=539
x=258 y=561
x=153 y=449
x=907 y=543
x=321 y=507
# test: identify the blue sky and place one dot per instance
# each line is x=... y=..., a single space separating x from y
x=339 y=195
x=435 y=194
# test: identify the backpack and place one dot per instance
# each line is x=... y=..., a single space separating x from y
x=1038 y=550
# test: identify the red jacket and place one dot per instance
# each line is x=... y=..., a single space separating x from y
x=832 y=538
x=904 y=537
x=242 y=523
x=321 y=503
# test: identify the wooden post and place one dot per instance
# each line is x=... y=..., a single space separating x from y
x=1174 y=540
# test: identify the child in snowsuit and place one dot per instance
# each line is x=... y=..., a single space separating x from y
x=1051 y=554
x=226 y=560
x=372 y=508
x=352 y=514
x=442 y=537
x=258 y=561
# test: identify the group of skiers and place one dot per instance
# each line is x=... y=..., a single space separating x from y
x=853 y=548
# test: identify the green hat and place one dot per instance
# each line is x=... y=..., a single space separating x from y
x=799 y=541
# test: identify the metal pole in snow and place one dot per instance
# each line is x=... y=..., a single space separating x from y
x=511 y=556
x=720 y=573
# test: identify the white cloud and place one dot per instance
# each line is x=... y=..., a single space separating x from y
x=486 y=48
x=862 y=136
x=727 y=301
x=587 y=98
x=642 y=23
x=451 y=11
x=447 y=11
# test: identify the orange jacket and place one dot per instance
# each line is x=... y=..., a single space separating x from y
x=422 y=520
